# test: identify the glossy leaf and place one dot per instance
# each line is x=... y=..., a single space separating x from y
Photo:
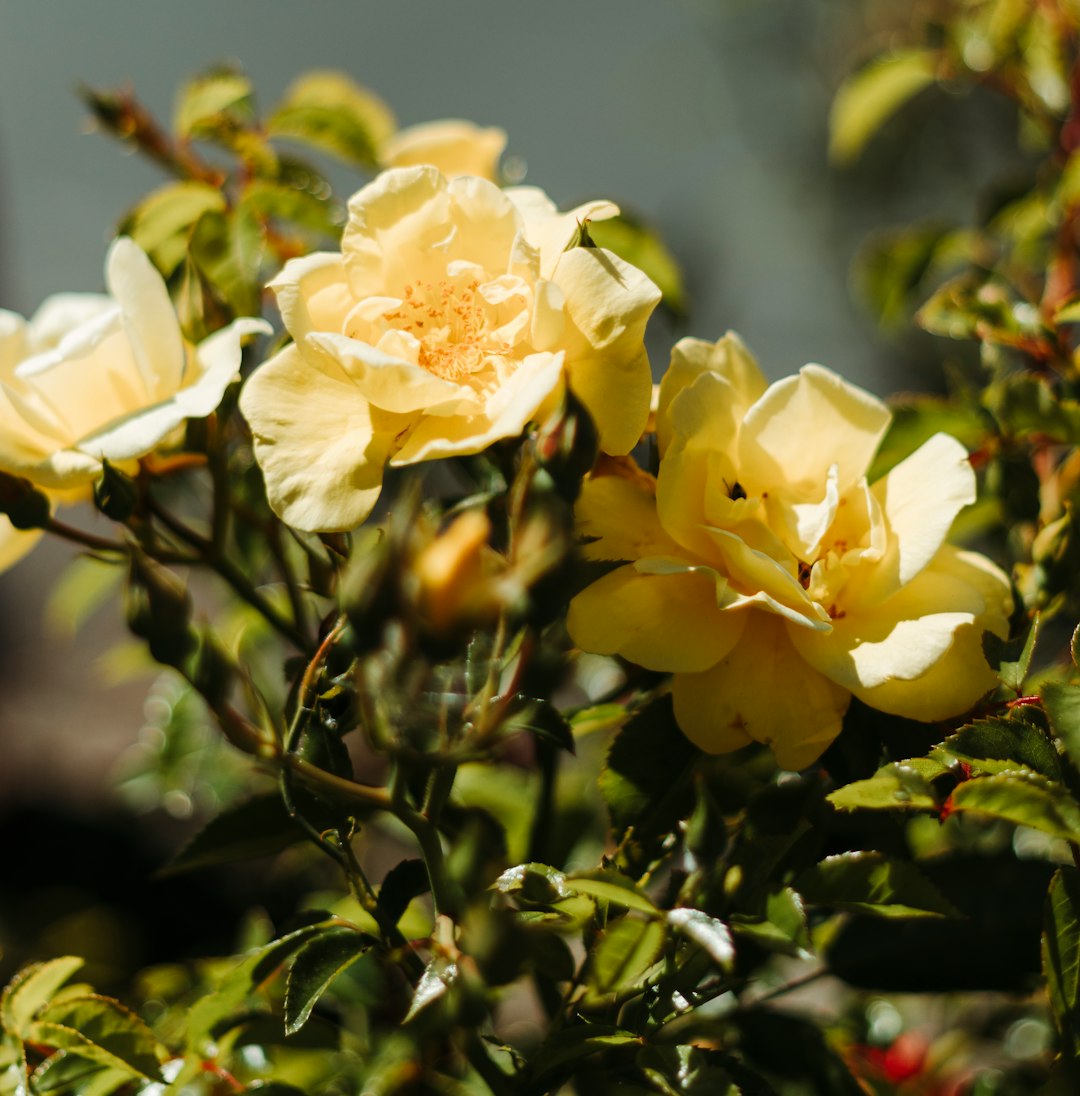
x=437 y=978
x=611 y=886
x=1026 y=799
x=866 y=99
x=575 y=1044
x=1062 y=703
x=102 y=1030
x=318 y=962
x=871 y=882
x=1012 y=658
x=998 y=745
x=709 y=933
x=330 y=112
x=31 y=989
x=901 y=785
x=1061 y=954
x=783 y=929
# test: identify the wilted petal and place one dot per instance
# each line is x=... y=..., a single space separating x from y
x=659 y=621
x=761 y=691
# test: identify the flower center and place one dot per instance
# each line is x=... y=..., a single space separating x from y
x=450 y=323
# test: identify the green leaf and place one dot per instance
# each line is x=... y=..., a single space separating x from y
x=227 y=248
x=68 y=1072
x=900 y=785
x=542 y=718
x=317 y=964
x=204 y=102
x=295 y=208
x=611 y=886
x=709 y=933
x=784 y=928
x=871 y=882
x=1062 y=703
x=625 y=951
x=1061 y=955
x=866 y=99
x=330 y=112
x=644 y=780
x=31 y=989
x=795 y=1049
x=230 y=996
x=1000 y=745
x=1074 y=646
x=403 y=883
x=1069 y=313
x=1012 y=657
x=573 y=1044
x=162 y=223
x=1026 y=799
x=600 y=717
x=1025 y=405
x=102 y=1030
x=641 y=246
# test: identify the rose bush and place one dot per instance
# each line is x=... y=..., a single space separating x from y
x=770 y=577
x=448 y=321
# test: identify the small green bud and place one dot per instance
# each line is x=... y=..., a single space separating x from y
x=158 y=610
x=581 y=237
x=114 y=493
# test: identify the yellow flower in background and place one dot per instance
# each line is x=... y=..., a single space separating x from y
x=453 y=146
x=93 y=377
x=448 y=321
x=768 y=575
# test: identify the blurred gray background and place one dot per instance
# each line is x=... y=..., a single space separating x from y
x=706 y=117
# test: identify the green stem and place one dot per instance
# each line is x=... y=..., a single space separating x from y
x=444 y=893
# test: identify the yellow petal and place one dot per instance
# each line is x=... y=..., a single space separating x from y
x=727 y=358
x=661 y=622
x=516 y=402
x=616 y=394
x=621 y=514
x=320 y=444
x=454 y=146
x=920 y=497
x=15 y=543
x=801 y=427
x=313 y=294
x=762 y=690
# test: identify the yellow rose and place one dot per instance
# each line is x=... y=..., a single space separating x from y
x=453 y=146
x=771 y=578
x=450 y=318
x=92 y=377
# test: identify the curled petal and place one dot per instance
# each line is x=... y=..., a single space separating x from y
x=313 y=294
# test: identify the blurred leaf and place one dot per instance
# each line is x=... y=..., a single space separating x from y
x=540 y=716
x=294 y=207
x=102 y=1030
x=784 y=928
x=1074 y=646
x=256 y=827
x=866 y=99
x=870 y=882
x=1069 y=313
x=900 y=785
x=1061 y=955
x=330 y=112
x=709 y=933
x=31 y=989
x=67 y=1071
x=794 y=1048
x=403 y=883
x=318 y=962
x=690 y=1070
x=641 y=246
x=228 y=249
x=1024 y=798
x=1012 y=658
x=162 y=222
x=918 y=419
x=574 y=1044
x=204 y=101
x=625 y=951
x=998 y=745
x=600 y=717
x=506 y=793
x=611 y=886
x=1025 y=405
x=644 y=778
x=970 y=306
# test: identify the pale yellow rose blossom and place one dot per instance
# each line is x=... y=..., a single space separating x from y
x=768 y=575
x=102 y=377
x=448 y=321
x=454 y=146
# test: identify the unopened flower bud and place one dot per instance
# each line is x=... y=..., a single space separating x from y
x=114 y=493
x=453 y=576
x=25 y=506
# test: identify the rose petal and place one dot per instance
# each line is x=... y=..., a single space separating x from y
x=621 y=514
